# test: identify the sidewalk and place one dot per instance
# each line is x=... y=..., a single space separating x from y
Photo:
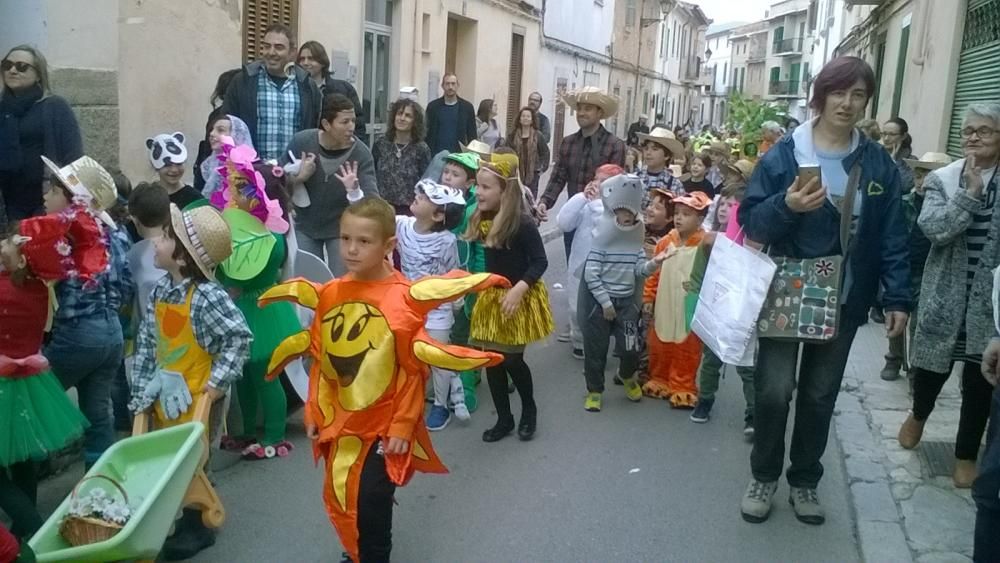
x=905 y=505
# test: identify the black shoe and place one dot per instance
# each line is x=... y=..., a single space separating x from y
x=499 y=431
x=345 y=558
x=526 y=429
x=190 y=537
x=877 y=316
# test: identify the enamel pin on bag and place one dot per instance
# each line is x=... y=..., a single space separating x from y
x=803 y=302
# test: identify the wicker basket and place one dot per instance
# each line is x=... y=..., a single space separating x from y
x=79 y=530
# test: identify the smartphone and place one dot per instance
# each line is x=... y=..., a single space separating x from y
x=807 y=173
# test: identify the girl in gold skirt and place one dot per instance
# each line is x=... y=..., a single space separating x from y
x=507 y=320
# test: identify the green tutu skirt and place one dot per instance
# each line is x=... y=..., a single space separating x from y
x=269 y=325
x=36 y=418
x=531 y=322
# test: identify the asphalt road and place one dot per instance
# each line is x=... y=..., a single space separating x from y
x=636 y=482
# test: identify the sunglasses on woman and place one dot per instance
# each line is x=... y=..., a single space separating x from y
x=21 y=66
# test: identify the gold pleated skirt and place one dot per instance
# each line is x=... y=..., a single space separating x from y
x=532 y=321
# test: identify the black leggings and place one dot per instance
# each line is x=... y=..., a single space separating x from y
x=975 y=413
x=18 y=494
x=375 y=500
x=513 y=365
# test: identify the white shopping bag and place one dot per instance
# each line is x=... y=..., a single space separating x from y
x=732 y=295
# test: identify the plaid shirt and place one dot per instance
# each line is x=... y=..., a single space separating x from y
x=663 y=180
x=219 y=328
x=277 y=115
x=111 y=289
x=579 y=158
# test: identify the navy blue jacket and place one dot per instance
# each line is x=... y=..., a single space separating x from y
x=879 y=248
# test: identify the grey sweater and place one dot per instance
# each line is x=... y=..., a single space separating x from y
x=321 y=220
x=944 y=306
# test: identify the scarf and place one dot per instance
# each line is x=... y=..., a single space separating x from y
x=12 y=109
x=527 y=153
x=240 y=133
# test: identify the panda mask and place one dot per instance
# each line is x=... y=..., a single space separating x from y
x=166 y=149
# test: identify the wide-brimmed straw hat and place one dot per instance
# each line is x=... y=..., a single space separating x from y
x=929 y=161
x=665 y=138
x=205 y=235
x=743 y=167
x=86 y=177
x=594 y=96
x=478 y=147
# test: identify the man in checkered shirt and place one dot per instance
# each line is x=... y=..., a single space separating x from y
x=273 y=96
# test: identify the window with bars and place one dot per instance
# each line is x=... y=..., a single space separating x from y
x=258 y=15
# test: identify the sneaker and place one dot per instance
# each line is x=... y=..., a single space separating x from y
x=891 y=370
x=563 y=336
x=578 y=353
x=806 y=504
x=702 y=411
x=462 y=412
x=748 y=430
x=438 y=418
x=632 y=389
x=877 y=316
x=756 y=504
x=592 y=403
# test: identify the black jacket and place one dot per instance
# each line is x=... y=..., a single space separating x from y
x=466 y=125
x=241 y=98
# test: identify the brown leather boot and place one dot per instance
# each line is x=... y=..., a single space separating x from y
x=965 y=473
x=910 y=432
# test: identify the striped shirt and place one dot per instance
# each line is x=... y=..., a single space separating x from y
x=612 y=275
x=975 y=240
x=427 y=254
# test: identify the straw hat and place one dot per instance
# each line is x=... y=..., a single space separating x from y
x=86 y=177
x=594 y=96
x=204 y=234
x=665 y=138
x=929 y=161
x=478 y=147
x=743 y=167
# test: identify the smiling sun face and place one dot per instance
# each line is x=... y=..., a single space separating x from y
x=359 y=350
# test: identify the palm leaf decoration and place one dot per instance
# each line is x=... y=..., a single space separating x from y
x=252 y=245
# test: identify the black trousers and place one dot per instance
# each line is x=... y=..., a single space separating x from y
x=18 y=494
x=375 y=501
x=986 y=493
x=975 y=412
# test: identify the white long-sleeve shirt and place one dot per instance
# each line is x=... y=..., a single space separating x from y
x=580 y=215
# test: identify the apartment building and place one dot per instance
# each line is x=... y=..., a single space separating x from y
x=719 y=50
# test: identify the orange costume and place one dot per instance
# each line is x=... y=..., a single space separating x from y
x=370 y=363
x=674 y=359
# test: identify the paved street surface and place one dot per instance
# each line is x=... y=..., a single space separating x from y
x=635 y=482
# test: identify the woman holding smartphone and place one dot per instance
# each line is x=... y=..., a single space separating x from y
x=801 y=218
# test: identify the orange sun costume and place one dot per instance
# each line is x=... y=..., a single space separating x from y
x=370 y=364
x=674 y=351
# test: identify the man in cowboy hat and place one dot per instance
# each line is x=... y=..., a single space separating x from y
x=451 y=120
x=582 y=152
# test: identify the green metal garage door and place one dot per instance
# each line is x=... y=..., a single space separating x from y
x=978 y=74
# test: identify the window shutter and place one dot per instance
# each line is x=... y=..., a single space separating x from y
x=514 y=79
x=258 y=15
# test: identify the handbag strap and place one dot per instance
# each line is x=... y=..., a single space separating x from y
x=847 y=207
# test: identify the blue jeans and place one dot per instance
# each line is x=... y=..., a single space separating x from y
x=86 y=353
x=818 y=382
x=986 y=492
x=327 y=250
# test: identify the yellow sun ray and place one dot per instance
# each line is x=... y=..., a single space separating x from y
x=299 y=291
x=290 y=348
x=454 y=358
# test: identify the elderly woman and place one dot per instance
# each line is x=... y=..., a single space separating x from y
x=802 y=219
x=955 y=322
x=401 y=155
x=33 y=122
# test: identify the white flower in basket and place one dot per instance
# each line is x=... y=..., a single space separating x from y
x=96 y=515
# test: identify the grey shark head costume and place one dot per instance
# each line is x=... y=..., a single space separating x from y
x=620 y=192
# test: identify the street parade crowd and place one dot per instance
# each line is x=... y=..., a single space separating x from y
x=388 y=276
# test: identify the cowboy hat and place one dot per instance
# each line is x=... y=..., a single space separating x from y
x=742 y=167
x=929 y=161
x=85 y=177
x=205 y=235
x=665 y=138
x=478 y=147
x=594 y=96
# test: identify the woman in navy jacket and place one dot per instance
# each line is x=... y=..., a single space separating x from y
x=802 y=220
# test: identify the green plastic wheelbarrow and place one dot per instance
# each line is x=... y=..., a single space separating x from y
x=155 y=470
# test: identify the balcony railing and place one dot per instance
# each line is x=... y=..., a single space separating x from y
x=785 y=46
x=785 y=88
